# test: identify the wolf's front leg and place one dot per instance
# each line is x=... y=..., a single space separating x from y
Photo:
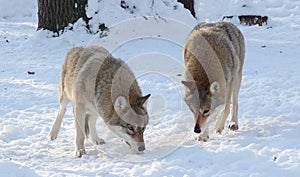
x=202 y=137
x=79 y=113
x=220 y=123
x=79 y=142
x=224 y=114
x=92 y=120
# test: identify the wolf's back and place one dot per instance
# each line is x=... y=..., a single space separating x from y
x=75 y=61
x=212 y=51
x=99 y=77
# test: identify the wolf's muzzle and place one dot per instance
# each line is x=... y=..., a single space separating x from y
x=197 y=128
x=141 y=148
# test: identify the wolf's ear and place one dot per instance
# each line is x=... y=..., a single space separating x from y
x=120 y=104
x=215 y=88
x=142 y=100
x=191 y=85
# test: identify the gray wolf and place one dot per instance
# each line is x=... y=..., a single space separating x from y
x=99 y=85
x=213 y=57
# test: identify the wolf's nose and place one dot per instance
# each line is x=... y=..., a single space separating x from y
x=141 y=148
x=197 y=128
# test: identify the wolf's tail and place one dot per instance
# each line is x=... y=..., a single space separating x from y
x=86 y=126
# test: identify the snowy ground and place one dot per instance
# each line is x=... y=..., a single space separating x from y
x=267 y=143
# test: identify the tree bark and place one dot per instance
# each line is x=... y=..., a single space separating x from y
x=188 y=4
x=55 y=15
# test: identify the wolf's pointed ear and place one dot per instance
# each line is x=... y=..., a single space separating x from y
x=120 y=104
x=142 y=100
x=215 y=88
x=191 y=85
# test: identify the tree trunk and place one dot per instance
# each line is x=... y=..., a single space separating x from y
x=188 y=4
x=55 y=15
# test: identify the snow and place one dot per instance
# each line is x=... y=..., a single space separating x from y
x=267 y=143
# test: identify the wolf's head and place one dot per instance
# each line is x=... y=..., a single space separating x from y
x=130 y=122
x=202 y=101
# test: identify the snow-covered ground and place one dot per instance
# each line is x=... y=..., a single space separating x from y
x=267 y=143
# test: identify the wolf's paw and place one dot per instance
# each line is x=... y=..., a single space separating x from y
x=80 y=152
x=233 y=126
x=202 y=137
x=52 y=135
x=219 y=130
x=98 y=141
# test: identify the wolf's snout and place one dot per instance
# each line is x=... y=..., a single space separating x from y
x=197 y=128
x=141 y=148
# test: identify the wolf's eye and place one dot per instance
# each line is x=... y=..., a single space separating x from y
x=206 y=112
x=130 y=128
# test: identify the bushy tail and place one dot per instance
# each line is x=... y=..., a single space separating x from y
x=86 y=126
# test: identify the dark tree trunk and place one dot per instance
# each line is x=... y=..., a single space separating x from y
x=188 y=4
x=55 y=15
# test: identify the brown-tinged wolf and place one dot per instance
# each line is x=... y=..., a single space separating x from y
x=99 y=85
x=213 y=57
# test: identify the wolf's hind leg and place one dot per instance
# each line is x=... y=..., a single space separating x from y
x=92 y=129
x=57 y=122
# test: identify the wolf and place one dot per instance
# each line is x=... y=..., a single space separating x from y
x=99 y=85
x=213 y=56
